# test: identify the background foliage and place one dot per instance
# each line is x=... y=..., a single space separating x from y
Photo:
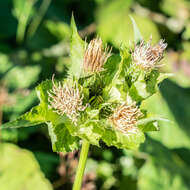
x=34 y=44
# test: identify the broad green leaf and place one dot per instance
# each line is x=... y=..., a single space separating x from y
x=137 y=35
x=20 y=170
x=172 y=134
x=90 y=131
x=61 y=139
x=76 y=51
x=159 y=172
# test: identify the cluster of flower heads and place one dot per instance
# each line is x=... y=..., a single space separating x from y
x=147 y=56
x=66 y=99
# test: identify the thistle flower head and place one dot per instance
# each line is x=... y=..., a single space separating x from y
x=95 y=56
x=125 y=118
x=66 y=99
x=147 y=56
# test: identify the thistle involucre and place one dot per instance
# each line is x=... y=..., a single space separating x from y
x=66 y=100
x=147 y=56
x=95 y=56
x=125 y=118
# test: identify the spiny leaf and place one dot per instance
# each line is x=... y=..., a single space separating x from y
x=31 y=118
x=76 y=51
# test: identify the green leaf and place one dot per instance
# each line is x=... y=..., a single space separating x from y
x=163 y=76
x=42 y=90
x=120 y=30
x=160 y=164
x=129 y=140
x=13 y=160
x=22 y=76
x=31 y=118
x=145 y=86
x=137 y=35
x=111 y=68
x=156 y=104
x=150 y=123
x=60 y=30
x=76 y=51
x=61 y=139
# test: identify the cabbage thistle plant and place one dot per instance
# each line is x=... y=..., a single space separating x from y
x=100 y=100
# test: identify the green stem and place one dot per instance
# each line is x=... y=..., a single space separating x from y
x=81 y=165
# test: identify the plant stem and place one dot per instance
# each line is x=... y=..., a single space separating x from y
x=81 y=165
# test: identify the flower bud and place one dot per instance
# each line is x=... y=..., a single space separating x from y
x=125 y=118
x=66 y=100
x=95 y=56
x=147 y=56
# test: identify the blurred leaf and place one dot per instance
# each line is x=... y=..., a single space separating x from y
x=60 y=30
x=22 y=76
x=14 y=160
x=114 y=24
x=176 y=8
x=171 y=134
x=22 y=11
x=159 y=171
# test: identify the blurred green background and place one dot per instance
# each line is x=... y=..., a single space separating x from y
x=34 y=44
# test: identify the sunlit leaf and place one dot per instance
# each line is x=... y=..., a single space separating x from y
x=76 y=51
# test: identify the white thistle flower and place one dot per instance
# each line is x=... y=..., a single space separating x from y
x=125 y=118
x=66 y=99
x=147 y=56
x=95 y=56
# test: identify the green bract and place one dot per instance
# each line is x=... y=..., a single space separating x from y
x=102 y=92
